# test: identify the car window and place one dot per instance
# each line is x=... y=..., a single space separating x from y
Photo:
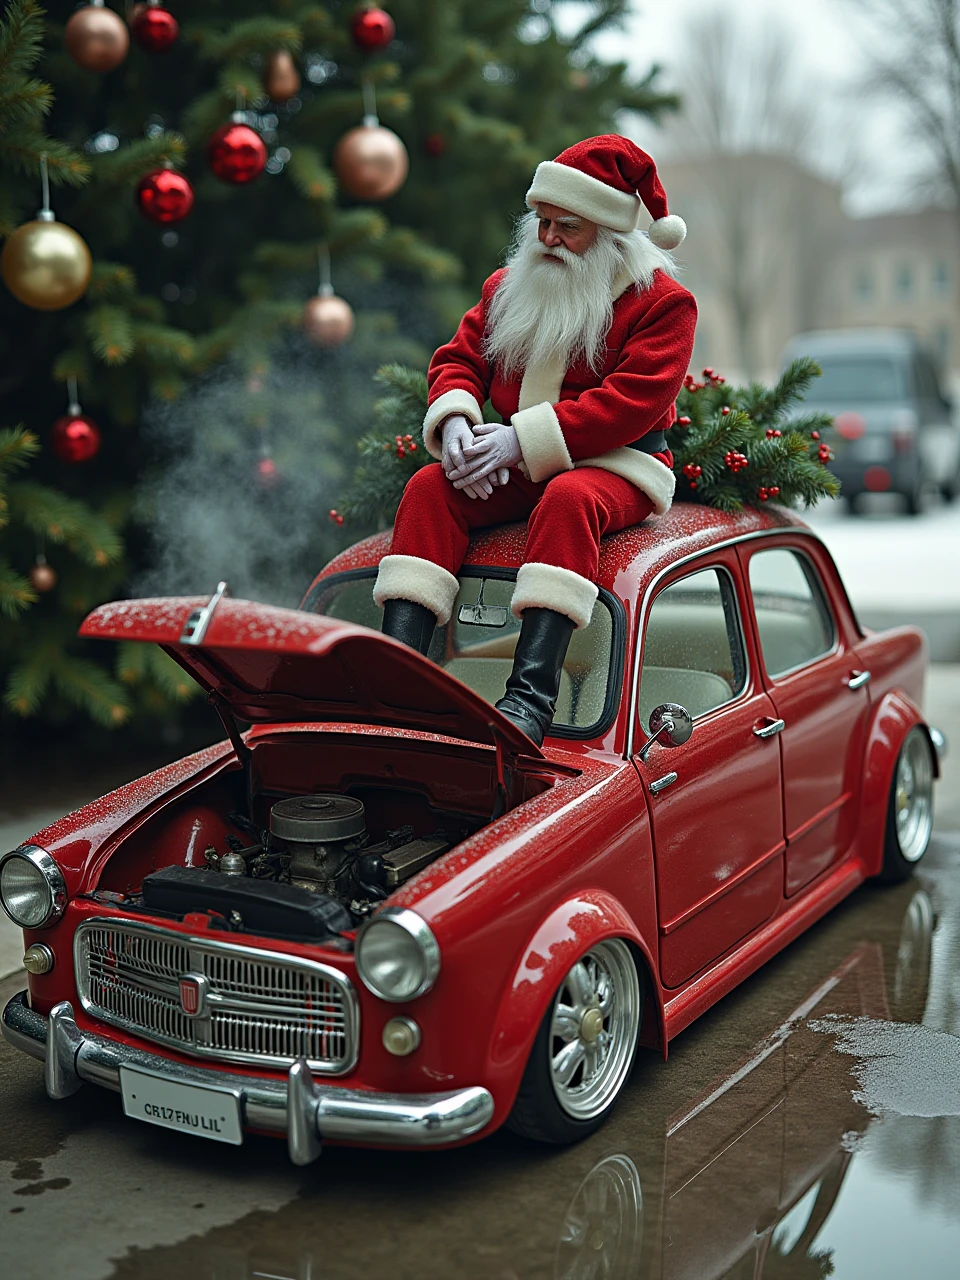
x=857 y=379
x=477 y=644
x=793 y=618
x=692 y=646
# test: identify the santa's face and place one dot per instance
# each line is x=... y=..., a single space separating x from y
x=555 y=303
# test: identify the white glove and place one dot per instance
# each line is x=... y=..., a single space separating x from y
x=457 y=436
x=494 y=450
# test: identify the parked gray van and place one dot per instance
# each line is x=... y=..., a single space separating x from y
x=893 y=425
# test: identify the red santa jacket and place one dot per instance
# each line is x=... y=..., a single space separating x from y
x=574 y=417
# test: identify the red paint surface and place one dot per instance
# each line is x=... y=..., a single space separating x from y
x=699 y=890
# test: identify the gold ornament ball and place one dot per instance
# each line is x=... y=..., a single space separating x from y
x=371 y=162
x=97 y=39
x=43 y=578
x=46 y=265
x=281 y=80
x=327 y=320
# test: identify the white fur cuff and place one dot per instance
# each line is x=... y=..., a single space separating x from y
x=544 y=449
x=547 y=586
x=455 y=401
x=422 y=581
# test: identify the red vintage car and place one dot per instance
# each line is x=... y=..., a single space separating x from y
x=380 y=915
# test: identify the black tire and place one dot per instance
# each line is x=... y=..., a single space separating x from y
x=587 y=1098
x=913 y=500
x=910 y=808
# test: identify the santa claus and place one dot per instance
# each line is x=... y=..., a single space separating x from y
x=580 y=344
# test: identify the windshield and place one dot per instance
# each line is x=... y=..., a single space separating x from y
x=856 y=379
x=477 y=644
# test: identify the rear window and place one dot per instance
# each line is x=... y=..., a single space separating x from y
x=858 y=379
x=477 y=645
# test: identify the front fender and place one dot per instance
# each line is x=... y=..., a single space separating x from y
x=571 y=929
x=893 y=718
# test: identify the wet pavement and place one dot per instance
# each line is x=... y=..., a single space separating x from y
x=808 y=1125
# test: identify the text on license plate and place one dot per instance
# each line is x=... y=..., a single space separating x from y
x=205 y=1110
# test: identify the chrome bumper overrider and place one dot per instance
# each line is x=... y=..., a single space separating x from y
x=305 y=1111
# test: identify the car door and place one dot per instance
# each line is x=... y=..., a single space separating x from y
x=715 y=802
x=821 y=700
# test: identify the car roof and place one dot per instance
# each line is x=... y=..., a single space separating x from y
x=849 y=341
x=629 y=560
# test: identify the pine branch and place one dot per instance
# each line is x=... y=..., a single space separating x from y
x=162 y=343
x=131 y=161
x=22 y=152
x=62 y=519
x=255 y=35
x=21 y=37
x=110 y=331
x=310 y=175
x=16 y=593
x=17 y=447
x=88 y=688
x=29 y=680
x=25 y=100
x=111 y=282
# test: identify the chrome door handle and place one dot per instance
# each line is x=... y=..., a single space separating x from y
x=661 y=784
x=858 y=680
x=770 y=728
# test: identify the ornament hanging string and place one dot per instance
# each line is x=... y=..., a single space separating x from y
x=45 y=214
x=73 y=398
x=325 y=287
x=370 y=118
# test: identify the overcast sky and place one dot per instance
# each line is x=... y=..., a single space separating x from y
x=827 y=44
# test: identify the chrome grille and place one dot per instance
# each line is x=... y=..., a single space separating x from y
x=258 y=1006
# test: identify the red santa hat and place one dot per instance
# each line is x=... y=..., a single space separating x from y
x=607 y=180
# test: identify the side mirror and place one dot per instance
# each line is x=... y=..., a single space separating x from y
x=670 y=725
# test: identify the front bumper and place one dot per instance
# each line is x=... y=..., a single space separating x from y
x=298 y=1107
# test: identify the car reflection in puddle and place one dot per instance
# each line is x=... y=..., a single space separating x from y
x=738 y=1182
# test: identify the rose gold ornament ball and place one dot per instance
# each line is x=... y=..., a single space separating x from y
x=327 y=320
x=42 y=577
x=97 y=39
x=46 y=265
x=371 y=162
x=281 y=79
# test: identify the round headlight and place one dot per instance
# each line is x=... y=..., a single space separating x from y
x=397 y=955
x=32 y=888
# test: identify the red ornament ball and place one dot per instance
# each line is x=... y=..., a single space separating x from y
x=42 y=577
x=266 y=472
x=814 y=435
x=684 y=422
x=725 y=410
x=236 y=153
x=75 y=438
x=372 y=29
x=164 y=196
x=153 y=27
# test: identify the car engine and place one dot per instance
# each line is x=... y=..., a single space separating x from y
x=314 y=873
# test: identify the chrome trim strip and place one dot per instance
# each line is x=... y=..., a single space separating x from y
x=219 y=1001
x=349 y=1115
x=421 y=932
x=195 y=627
x=703 y=553
x=51 y=873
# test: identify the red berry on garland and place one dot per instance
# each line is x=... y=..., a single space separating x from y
x=814 y=435
x=763 y=494
x=372 y=29
x=164 y=196
x=773 y=434
x=335 y=516
x=75 y=438
x=684 y=422
x=725 y=410
x=824 y=454
x=774 y=491
x=434 y=144
x=154 y=29
x=692 y=471
x=708 y=371
x=267 y=473
x=236 y=153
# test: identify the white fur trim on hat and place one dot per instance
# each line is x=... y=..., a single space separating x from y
x=575 y=190
x=547 y=586
x=652 y=477
x=541 y=442
x=422 y=581
x=668 y=232
x=455 y=401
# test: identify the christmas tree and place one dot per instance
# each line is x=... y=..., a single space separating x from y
x=261 y=115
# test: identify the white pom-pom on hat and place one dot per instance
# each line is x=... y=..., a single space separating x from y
x=668 y=232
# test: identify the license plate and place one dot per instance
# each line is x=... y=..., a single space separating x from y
x=200 y=1109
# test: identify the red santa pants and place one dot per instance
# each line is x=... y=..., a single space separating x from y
x=566 y=517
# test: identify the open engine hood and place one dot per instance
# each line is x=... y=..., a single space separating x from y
x=267 y=665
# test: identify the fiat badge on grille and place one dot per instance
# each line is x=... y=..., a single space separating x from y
x=192 y=991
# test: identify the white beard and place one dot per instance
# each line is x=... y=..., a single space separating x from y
x=543 y=310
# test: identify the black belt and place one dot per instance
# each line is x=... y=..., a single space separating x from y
x=652 y=442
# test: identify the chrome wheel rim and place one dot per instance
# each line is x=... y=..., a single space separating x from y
x=913 y=797
x=593 y=1029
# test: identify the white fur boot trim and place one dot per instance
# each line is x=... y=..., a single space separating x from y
x=547 y=586
x=422 y=581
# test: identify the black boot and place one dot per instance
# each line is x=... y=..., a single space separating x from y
x=412 y=624
x=531 y=696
